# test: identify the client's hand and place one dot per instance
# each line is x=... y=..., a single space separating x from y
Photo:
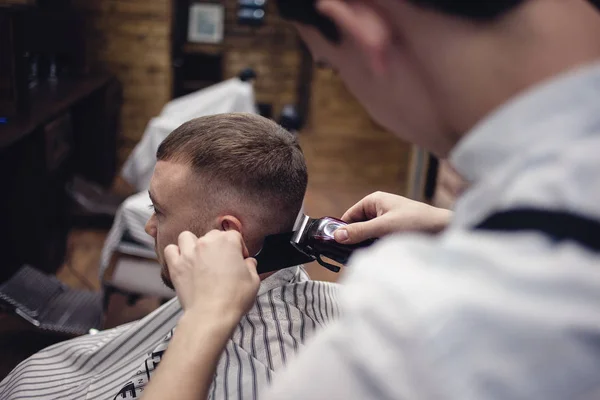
x=213 y=275
x=216 y=284
x=380 y=214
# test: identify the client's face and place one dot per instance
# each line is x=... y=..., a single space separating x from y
x=175 y=199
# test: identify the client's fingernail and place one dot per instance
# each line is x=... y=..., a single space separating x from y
x=341 y=235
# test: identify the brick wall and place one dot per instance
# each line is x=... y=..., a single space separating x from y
x=340 y=128
x=272 y=50
x=131 y=38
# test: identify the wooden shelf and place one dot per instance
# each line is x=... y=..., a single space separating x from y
x=47 y=101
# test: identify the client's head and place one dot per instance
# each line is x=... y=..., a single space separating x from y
x=237 y=172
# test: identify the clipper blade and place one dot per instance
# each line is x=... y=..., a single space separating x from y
x=301 y=231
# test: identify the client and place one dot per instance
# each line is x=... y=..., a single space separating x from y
x=229 y=172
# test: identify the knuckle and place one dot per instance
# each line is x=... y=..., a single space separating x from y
x=184 y=234
x=377 y=196
x=202 y=241
x=208 y=238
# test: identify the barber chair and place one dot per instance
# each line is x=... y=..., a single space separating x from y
x=128 y=265
x=49 y=305
x=91 y=204
x=134 y=272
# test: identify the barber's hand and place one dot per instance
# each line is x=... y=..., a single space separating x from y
x=380 y=214
x=213 y=275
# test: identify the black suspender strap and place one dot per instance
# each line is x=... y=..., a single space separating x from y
x=557 y=225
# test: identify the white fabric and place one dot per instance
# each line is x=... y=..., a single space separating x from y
x=474 y=314
x=131 y=217
x=118 y=363
x=232 y=95
x=134 y=275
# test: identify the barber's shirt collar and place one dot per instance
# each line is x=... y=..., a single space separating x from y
x=539 y=150
x=553 y=112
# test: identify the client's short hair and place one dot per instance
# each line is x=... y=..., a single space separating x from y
x=305 y=12
x=252 y=155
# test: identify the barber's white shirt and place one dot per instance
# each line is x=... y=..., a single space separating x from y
x=477 y=314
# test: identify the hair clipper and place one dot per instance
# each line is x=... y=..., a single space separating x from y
x=312 y=241
x=314 y=237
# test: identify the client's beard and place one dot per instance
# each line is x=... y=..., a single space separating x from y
x=164 y=270
x=166 y=278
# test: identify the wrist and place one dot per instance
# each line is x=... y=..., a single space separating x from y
x=443 y=219
x=201 y=338
x=223 y=321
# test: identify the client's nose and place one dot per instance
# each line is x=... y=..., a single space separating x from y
x=150 y=227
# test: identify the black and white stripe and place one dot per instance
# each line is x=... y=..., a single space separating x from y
x=289 y=308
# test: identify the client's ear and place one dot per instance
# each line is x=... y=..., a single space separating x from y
x=229 y=223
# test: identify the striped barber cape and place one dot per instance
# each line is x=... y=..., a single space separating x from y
x=118 y=363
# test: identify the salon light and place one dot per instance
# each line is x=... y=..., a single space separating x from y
x=251 y=12
x=252 y=3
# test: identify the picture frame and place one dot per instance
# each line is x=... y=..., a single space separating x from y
x=206 y=23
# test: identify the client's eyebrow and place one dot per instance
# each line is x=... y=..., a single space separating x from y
x=153 y=200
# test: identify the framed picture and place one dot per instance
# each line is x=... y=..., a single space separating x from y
x=206 y=23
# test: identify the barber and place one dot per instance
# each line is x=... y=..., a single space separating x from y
x=505 y=303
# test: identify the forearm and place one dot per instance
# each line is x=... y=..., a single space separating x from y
x=189 y=364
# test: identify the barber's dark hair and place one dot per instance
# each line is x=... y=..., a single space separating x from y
x=478 y=10
x=305 y=12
